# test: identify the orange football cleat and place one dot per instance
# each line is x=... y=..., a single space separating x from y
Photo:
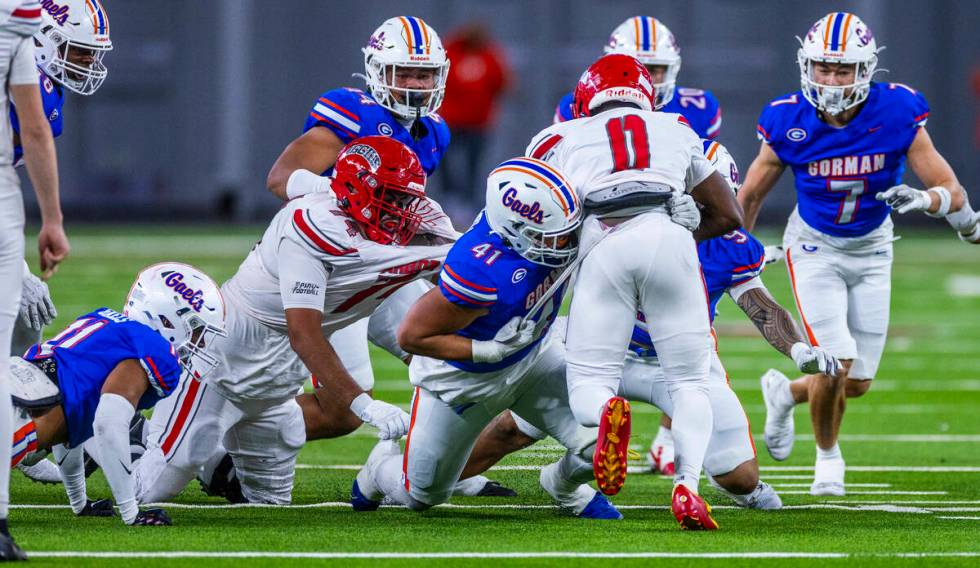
x=691 y=511
x=612 y=446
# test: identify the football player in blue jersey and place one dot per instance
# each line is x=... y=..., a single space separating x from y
x=649 y=40
x=89 y=380
x=847 y=140
x=69 y=48
x=479 y=350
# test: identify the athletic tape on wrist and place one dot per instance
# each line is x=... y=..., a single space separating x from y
x=945 y=199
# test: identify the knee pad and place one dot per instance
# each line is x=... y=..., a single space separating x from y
x=265 y=457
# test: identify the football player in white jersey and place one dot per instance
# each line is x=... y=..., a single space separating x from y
x=480 y=347
x=630 y=165
x=326 y=260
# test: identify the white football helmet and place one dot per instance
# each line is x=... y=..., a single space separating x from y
x=838 y=37
x=80 y=25
x=405 y=41
x=185 y=306
x=535 y=210
x=724 y=163
x=650 y=41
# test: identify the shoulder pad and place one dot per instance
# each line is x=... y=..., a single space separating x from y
x=30 y=387
x=339 y=110
x=322 y=229
x=466 y=283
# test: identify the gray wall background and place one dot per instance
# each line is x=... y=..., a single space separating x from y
x=203 y=95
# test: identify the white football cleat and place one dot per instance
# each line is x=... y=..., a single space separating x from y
x=763 y=497
x=43 y=471
x=660 y=458
x=828 y=478
x=365 y=493
x=780 y=429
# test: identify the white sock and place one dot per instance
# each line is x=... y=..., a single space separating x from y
x=664 y=437
x=388 y=478
x=784 y=396
x=831 y=454
x=692 y=426
x=7 y=435
x=71 y=464
x=569 y=494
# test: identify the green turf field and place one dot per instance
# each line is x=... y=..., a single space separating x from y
x=912 y=446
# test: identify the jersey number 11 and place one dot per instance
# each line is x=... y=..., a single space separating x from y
x=629 y=143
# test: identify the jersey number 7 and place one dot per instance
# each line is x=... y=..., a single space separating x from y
x=628 y=142
x=852 y=189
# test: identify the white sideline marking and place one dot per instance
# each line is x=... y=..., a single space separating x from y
x=744 y=385
x=912 y=502
x=488 y=555
x=961 y=518
x=883 y=468
x=872 y=492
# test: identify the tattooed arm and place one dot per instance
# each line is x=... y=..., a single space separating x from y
x=774 y=322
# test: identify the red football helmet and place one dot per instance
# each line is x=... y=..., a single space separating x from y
x=380 y=183
x=613 y=77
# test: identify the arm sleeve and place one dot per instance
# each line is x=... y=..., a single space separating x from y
x=112 y=418
x=22 y=67
x=465 y=286
x=302 y=277
x=339 y=111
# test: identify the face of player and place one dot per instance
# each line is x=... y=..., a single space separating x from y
x=81 y=57
x=834 y=74
x=658 y=73
x=405 y=80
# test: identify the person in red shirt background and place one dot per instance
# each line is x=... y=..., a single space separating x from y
x=478 y=76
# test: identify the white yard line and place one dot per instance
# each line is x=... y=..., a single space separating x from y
x=849 y=485
x=488 y=555
x=882 y=468
x=960 y=518
x=849 y=492
x=746 y=385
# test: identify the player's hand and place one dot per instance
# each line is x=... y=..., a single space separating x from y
x=774 y=254
x=511 y=338
x=100 y=508
x=684 y=211
x=151 y=518
x=904 y=199
x=52 y=244
x=36 y=308
x=392 y=422
x=811 y=360
x=435 y=222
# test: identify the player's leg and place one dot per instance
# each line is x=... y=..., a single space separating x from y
x=660 y=457
x=439 y=442
x=264 y=445
x=600 y=324
x=185 y=431
x=11 y=274
x=506 y=434
x=674 y=302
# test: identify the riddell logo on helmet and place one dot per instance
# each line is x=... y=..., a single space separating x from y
x=419 y=58
x=531 y=212
x=195 y=298
x=57 y=12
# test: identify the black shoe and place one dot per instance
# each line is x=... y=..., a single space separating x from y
x=9 y=551
x=100 y=508
x=224 y=482
x=494 y=489
x=152 y=518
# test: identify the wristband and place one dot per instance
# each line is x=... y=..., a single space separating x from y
x=945 y=199
x=360 y=403
x=486 y=351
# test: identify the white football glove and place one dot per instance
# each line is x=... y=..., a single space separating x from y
x=905 y=199
x=36 y=308
x=684 y=211
x=392 y=422
x=511 y=338
x=774 y=253
x=811 y=360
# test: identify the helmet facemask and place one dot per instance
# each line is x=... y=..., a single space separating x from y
x=54 y=53
x=548 y=249
x=663 y=92
x=193 y=352
x=388 y=215
x=835 y=99
x=408 y=103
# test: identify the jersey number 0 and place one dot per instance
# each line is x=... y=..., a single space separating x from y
x=629 y=143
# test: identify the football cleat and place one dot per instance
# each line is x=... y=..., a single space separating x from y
x=224 y=482
x=780 y=429
x=600 y=508
x=359 y=502
x=44 y=471
x=828 y=478
x=100 y=508
x=495 y=489
x=152 y=518
x=691 y=511
x=9 y=551
x=610 y=460
x=661 y=459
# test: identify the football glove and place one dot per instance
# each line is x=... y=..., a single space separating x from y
x=151 y=518
x=510 y=339
x=904 y=199
x=684 y=211
x=811 y=360
x=36 y=308
x=100 y=508
x=392 y=422
x=774 y=254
